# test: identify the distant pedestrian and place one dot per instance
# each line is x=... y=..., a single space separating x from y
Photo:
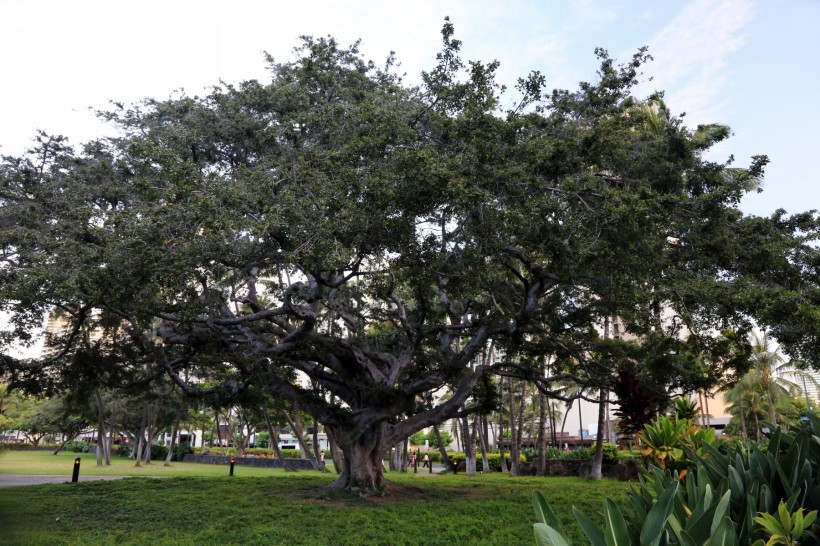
x=426 y=461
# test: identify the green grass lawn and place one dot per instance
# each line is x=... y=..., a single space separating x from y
x=43 y=462
x=266 y=506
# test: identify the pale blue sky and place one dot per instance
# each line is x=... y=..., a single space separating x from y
x=751 y=64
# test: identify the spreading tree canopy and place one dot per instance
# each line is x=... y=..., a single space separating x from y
x=378 y=238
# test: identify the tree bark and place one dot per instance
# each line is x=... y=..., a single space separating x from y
x=101 y=436
x=111 y=426
x=772 y=414
x=482 y=442
x=445 y=460
x=542 y=415
x=174 y=433
x=469 y=446
x=273 y=432
x=598 y=459
x=515 y=457
x=316 y=447
x=296 y=425
x=363 y=466
x=335 y=453
x=743 y=433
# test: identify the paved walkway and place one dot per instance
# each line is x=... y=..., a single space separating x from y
x=13 y=480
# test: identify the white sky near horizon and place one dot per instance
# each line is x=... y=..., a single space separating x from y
x=751 y=64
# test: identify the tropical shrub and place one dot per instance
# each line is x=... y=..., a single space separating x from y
x=715 y=500
x=158 y=452
x=180 y=450
x=75 y=446
x=668 y=442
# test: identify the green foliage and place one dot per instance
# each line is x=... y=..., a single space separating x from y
x=419 y=438
x=669 y=442
x=262 y=439
x=685 y=409
x=158 y=452
x=715 y=500
x=180 y=450
x=786 y=528
x=77 y=447
x=294 y=218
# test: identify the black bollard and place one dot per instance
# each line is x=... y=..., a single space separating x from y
x=430 y=466
x=232 y=463
x=415 y=465
x=455 y=467
x=75 y=476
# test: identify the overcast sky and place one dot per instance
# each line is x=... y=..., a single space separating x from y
x=751 y=64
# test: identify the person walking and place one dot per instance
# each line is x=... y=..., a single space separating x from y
x=426 y=461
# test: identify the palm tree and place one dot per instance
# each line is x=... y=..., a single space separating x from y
x=767 y=386
x=774 y=374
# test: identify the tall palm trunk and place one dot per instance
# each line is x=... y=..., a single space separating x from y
x=743 y=433
x=598 y=459
x=772 y=416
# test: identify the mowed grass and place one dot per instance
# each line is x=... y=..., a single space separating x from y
x=293 y=509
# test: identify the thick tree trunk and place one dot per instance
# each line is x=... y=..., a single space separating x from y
x=598 y=459
x=363 y=465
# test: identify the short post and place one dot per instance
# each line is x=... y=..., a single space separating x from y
x=232 y=463
x=455 y=467
x=430 y=466
x=75 y=476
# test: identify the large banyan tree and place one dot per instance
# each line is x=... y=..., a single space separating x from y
x=352 y=243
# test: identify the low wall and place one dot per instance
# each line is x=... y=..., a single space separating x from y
x=300 y=464
x=620 y=470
